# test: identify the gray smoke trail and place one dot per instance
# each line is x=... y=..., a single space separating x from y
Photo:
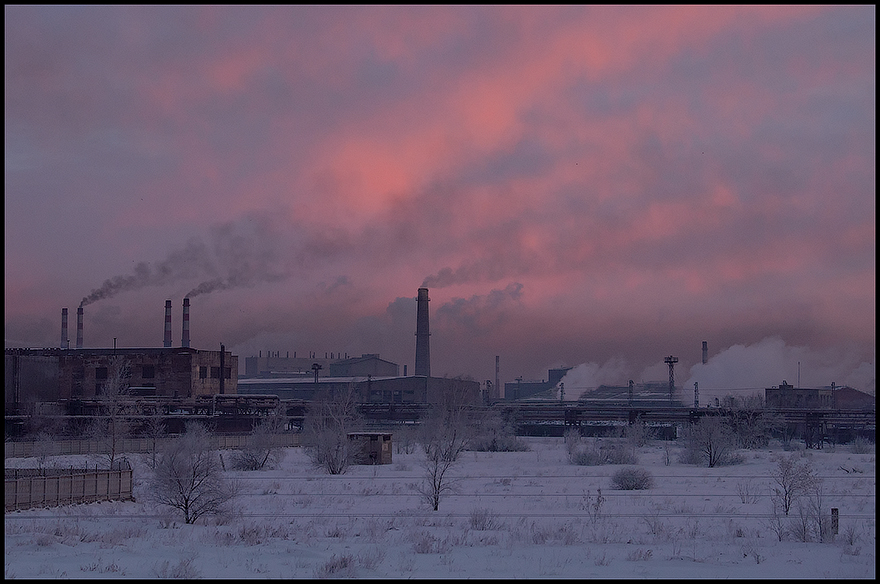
x=247 y=254
x=177 y=266
x=483 y=270
x=241 y=254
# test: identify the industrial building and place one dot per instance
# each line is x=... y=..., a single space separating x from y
x=34 y=375
x=376 y=380
x=823 y=398
x=520 y=389
x=55 y=374
x=275 y=365
x=639 y=395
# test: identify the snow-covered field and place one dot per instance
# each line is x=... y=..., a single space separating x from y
x=514 y=515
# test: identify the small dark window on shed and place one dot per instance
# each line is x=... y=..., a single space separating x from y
x=215 y=373
x=227 y=372
x=203 y=372
x=100 y=373
x=148 y=371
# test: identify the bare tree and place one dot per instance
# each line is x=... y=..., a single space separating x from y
x=326 y=426
x=496 y=432
x=154 y=430
x=710 y=441
x=113 y=426
x=444 y=435
x=793 y=479
x=817 y=511
x=263 y=450
x=188 y=475
x=44 y=447
x=750 y=422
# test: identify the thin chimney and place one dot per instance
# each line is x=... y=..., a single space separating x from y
x=497 y=389
x=705 y=352
x=185 y=340
x=423 y=350
x=222 y=368
x=65 y=342
x=167 y=323
x=79 y=327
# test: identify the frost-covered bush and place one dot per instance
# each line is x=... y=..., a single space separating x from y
x=861 y=446
x=495 y=433
x=497 y=443
x=483 y=519
x=632 y=479
x=595 y=453
x=711 y=441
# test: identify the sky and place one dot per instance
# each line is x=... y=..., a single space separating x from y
x=592 y=187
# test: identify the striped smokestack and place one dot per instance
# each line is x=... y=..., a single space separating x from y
x=705 y=352
x=423 y=350
x=184 y=342
x=65 y=342
x=167 y=323
x=79 y=327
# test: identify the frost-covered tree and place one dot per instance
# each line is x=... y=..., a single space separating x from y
x=154 y=431
x=326 y=426
x=710 y=441
x=112 y=426
x=262 y=450
x=444 y=434
x=792 y=479
x=188 y=475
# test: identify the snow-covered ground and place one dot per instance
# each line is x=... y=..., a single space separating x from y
x=514 y=515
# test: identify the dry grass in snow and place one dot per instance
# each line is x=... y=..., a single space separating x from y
x=526 y=514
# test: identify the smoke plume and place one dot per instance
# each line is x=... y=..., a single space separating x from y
x=179 y=265
x=240 y=254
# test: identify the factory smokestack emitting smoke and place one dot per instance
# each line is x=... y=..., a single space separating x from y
x=184 y=341
x=79 y=327
x=64 y=340
x=167 y=323
x=423 y=350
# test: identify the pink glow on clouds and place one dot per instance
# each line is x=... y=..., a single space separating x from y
x=589 y=167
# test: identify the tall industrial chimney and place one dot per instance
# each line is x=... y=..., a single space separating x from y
x=65 y=343
x=423 y=350
x=184 y=342
x=167 y=323
x=79 y=327
x=705 y=352
x=497 y=391
x=222 y=368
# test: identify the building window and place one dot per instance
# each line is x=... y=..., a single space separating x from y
x=227 y=372
x=215 y=373
x=100 y=373
x=203 y=372
x=148 y=371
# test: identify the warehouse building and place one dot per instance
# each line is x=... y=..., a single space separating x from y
x=42 y=375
